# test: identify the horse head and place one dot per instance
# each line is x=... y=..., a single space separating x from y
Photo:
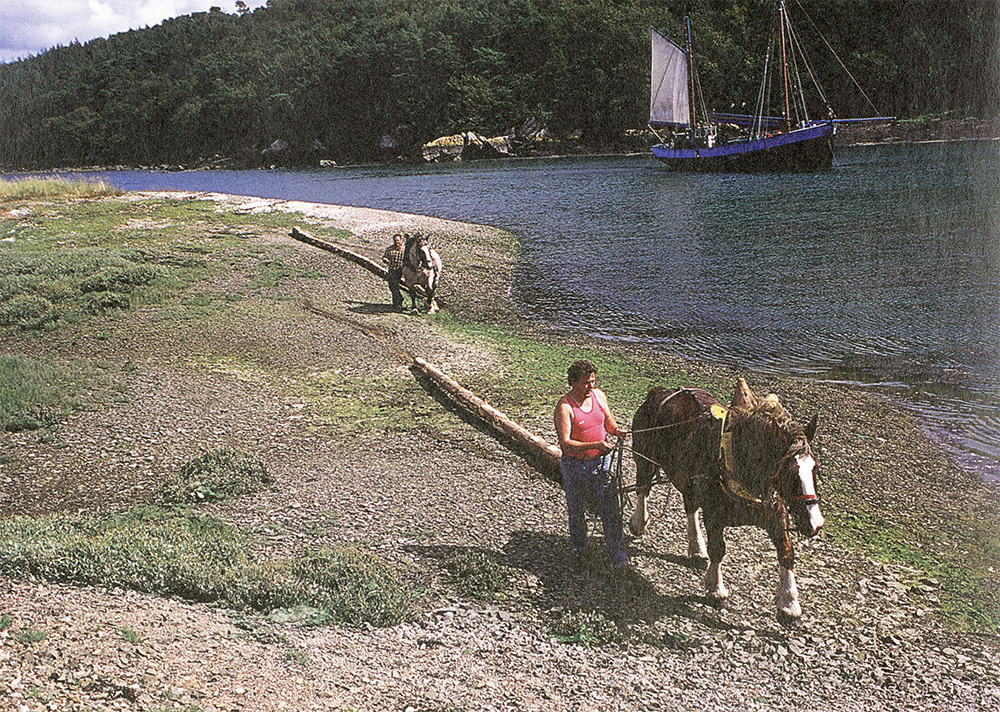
x=797 y=480
x=775 y=453
x=417 y=252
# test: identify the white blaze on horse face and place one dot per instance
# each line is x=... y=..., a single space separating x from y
x=807 y=465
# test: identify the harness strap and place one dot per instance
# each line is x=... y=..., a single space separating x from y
x=728 y=476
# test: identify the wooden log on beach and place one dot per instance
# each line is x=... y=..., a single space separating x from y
x=376 y=269
x=543 y=455
x=540 y=453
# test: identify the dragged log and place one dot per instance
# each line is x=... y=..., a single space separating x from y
x=303 y=236
x=539 y=452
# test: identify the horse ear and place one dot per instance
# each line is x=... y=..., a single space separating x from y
x=743 y=397
x=811 y=428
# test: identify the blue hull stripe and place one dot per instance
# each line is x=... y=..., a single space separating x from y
x=733 y=151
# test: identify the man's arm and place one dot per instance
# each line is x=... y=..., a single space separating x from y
x=609 y=420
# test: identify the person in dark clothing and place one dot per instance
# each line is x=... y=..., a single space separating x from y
x=393 y=260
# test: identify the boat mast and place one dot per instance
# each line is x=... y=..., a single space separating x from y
x=784 y=64
x=691 y=94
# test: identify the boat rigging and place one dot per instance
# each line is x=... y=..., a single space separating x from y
x=792 y=140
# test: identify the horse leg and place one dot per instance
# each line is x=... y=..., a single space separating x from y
x=718 y=594
x=432 y=283
x=644 y=473
x=696 y=540
x=786 y=600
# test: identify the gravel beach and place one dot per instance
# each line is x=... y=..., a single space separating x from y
x=871 y=638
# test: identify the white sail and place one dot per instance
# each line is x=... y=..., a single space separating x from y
x=669 y=99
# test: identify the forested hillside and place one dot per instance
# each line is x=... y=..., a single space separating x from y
x=354 y=80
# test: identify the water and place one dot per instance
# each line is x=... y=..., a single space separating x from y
x=883 y=272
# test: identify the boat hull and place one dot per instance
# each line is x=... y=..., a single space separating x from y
x=808 y=148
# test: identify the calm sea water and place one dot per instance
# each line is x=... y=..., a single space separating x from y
x=883 y=272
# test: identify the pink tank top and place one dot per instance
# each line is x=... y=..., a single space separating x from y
x=587 y=427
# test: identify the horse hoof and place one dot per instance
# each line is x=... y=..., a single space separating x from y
x=719 y=604
x=790 y=622
x=698 y=562
x=638 y=526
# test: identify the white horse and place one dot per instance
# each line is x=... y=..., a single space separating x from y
x=421 y=271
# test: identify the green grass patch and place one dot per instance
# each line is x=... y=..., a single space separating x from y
x=585 y=628
x=960 y=558
x=351 y=405
x=214 y=476
x=39 y=287
x=130 y=636
x=66 y=259
x=38 y=188
x=27 y=311
x=36 y=393
x=531 y=373
x=28 y=636
x=202 y=559
x=477 y=575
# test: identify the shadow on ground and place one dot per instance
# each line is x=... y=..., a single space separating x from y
x=636 y=606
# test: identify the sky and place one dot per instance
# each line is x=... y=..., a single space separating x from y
x=29 y=27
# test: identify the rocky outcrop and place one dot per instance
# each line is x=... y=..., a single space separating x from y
x=467 y=145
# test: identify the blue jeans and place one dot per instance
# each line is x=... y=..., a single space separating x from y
x=588 y=483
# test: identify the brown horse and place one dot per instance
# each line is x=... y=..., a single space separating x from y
x=748 y=465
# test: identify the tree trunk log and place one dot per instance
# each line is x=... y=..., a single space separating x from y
x=376 y=269
x=542 y=454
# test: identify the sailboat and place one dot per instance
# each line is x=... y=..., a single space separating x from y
x=793 y=140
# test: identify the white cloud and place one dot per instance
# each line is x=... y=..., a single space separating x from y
x=31 y=26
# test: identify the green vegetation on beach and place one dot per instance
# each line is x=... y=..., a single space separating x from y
x=201 y=558
x=214 y=476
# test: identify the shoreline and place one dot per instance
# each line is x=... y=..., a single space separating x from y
x=899 y=132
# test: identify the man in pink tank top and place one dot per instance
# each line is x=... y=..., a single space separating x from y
x=582 y=420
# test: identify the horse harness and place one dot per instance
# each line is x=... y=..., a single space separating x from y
x=727 y=476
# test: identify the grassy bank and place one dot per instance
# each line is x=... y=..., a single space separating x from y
x=74 y=269
x=198 y=557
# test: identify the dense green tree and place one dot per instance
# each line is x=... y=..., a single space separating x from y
x=335 y=77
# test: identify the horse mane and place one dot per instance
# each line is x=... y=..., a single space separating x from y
x=763 y=434
x=770 y=407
